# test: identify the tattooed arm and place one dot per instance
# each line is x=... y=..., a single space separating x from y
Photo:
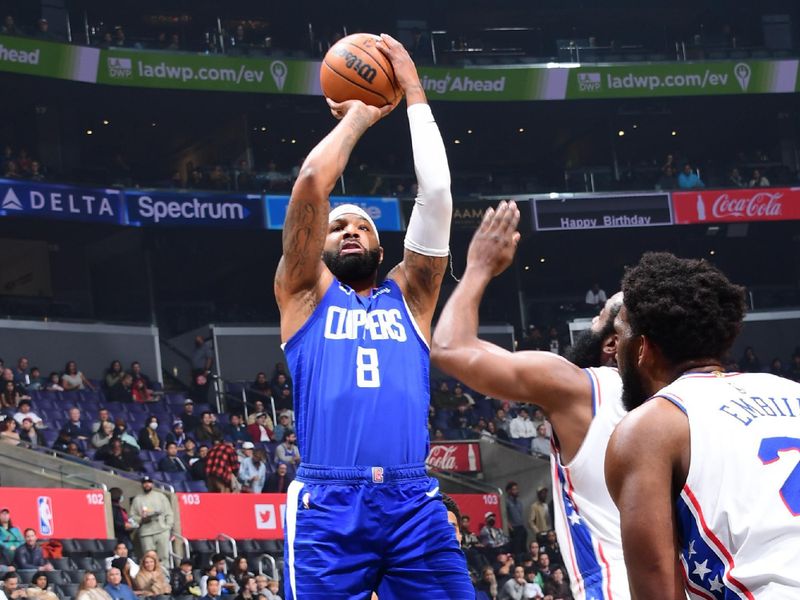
x=301 y=278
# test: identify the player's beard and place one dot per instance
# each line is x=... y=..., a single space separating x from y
x=353 y=267
x=633 y=392
x=587 y=349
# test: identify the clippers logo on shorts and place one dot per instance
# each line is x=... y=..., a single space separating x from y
x=377 y=474
x=45 y=507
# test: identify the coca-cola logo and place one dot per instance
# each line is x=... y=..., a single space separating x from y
x=760 y=204
x=442 y=457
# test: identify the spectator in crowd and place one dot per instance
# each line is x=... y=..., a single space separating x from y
x=492 y=537
x=557 y=586
x=177 y=435
x=459 y=394
x=113 y=375
x=198 y=468
x=62 y=441
x=253 y=470
x=228 y=585
x=122 y=524
x=503 y=423
x=202 y=361
x=668 y=179
x=213 y=589
x=248 y=590
x=148 y=436
x=284 y=400
x=222 y=466
x=279 y=481
x=88 y=589
x=487 y=584
x=76 y=428
x=9 y=26
x=103 y=436
x=258 y=407
x=152 y=511
x=8 y=431
x=550 y=545
x=22 y=375
x=182 y=580
x=776 y=367
x=793 y=370
x=240 y=570
x=151 y=580
x=258 y=431
x=463 y=420
x=114 y=455
x=521 y=426
x=103 y=416
x=207 y=431
x=29 y=555
x=554 y=342
x=503 y=567
x=271 y=593
x=172 y=463
x=189 y=419
x=539 y=520
x=758 y=180
x=138 y=374
x=688 y=179
x=538 y=418
x=121 y=431
x=11 y=537
x=284 y=423
x=30 y=434
x=514 y=588
x=735 y=178
x=287 y=452
x=236 y=431
x=73 y=379
x=140 y=391
x=281 y=383
x=543 y=566
x=532 y=339
x=36 y=172
x=75 y=453
x=37 y=383
x=541 y=443
x=10 y=397
x=43 y=31
x=750 y=363
x=190 y=454
x=40 y=588
x=442 y=397
x=54 y=383
x=115 y=588
x=516 y=519
x=595 y=299
x=11 y=588
x=24 y=412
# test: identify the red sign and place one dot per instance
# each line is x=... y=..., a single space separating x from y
x=461 y=457
x=241 y=516
x=57 y=512
x=476 y=506
x=731 y=206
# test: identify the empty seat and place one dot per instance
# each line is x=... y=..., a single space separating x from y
x=62 y=563
x=69 y=589
x=197 y=486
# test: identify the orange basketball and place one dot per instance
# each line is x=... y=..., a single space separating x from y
x=354 y=69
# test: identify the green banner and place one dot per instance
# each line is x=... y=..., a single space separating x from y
x=553 y=81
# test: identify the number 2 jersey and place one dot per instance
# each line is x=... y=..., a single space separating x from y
x=739 y=512
x=361 y=380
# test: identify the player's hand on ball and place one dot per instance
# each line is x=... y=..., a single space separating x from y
x=372 y=114
x=405 y=72
x=495 y=242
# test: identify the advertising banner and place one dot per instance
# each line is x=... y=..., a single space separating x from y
x=476 y=506
x=560 y=212
x=58 y=512
x=737 y=205
x=241 y=516
x=20 y=198
x=30 y=56
x=194 y=209
x=384 y=211
x=461 y=457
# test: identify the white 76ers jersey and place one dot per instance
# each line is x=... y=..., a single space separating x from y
x=739 y=512
x=586 y=519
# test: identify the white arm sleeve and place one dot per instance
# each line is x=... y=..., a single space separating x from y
x=428 y=229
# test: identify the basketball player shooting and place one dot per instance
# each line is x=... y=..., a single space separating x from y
x=582 y=401
x=362 y=516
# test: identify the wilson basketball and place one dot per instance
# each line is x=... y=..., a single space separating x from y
x=354 y=69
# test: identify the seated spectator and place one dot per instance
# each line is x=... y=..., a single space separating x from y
x=212 y=586
x=208 y=430
x=688 y=179
x=138 y=375
x=122 y=390
x=24 y=412
x=8 y=431
x=776 y=367
x=442 y=398
x=261 y=386
x=30 y=434
x=492 y=537
x=11 y=537
x=240 y=570
x=177 y=436
x=258 y=431
x=667 y=180
x=140 y=391
x=73 y=379
x=541 y=443
x=29 y=555
x=120 y=459
x=271 y=593
x=113 y=375
x=121 y=431
x=53 y=383
x=287 y=452
x=10 y=27
x=281 y=383
x=735 y=179
x=228 y=585
x=62 y=441
x=182 y=580
x=121 y=551
x=11 y=588
x=236 y=431
x=22 y=375
x=558 y=587
x=280 y=369
x=253 y=469
x=284 y=400
x=550 y=546
x=284 y=423
x=190 y=452
x=543 y=567
x=279 y=481
x=258 y=407
x=595 y=301
x=75 y=427
x=459 y=394
x=150 y=580
x=103 y=416
x=514 y=588
x=487 y=583
x=75 y=453
x=37 y=383
x=172 y=463
x=197 y=469
x=750 y=363
x=124 y=568
x=521 y=426
x=148 y=436
x=88 y=589
x=462 y=420
x=248 y=589
x=11 y=397
x=115 y=588
x=538 y=418
x=189 y=419
x=758 y=180
x=40 y=588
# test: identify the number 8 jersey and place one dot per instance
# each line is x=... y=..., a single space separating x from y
x=360 y=370
x=739 y=512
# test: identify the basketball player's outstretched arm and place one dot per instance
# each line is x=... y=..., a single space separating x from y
x=301 y=278
x=542 y=378
x=427 y=241
x=645 y=471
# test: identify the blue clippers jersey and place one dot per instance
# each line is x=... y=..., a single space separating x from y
x=361 y=389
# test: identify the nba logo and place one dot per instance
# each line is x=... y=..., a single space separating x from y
x=377 y=474
x=45 y=505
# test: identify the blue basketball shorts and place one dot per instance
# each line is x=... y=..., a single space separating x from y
x=352 y=531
